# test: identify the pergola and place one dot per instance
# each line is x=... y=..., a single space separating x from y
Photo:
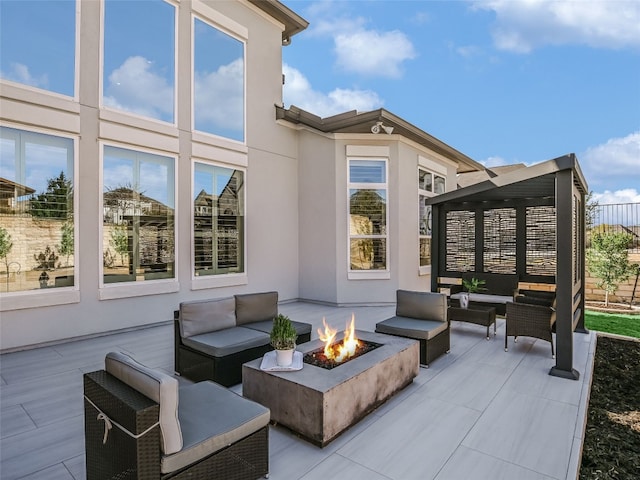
x=529 y=222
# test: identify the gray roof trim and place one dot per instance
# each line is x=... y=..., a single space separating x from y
x=354 y=122
x=293 y=23
x=531 y=174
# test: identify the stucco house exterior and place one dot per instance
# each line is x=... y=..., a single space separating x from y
x=227 y=191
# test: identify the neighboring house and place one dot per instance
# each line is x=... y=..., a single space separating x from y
x=11 y=194
x=240 y=193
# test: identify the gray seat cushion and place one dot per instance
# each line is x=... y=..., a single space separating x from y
x=212 y=418
x=227 y=341
x=256 y=307
x=156 y=385
x=422 y=305
x=411 y=327
x=265 y=326
x=204 y=316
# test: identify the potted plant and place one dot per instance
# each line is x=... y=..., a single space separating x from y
x=283 y=340
x=472 y=285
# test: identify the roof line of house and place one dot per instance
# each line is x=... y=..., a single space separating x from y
x=354 y=122
x=293 y=23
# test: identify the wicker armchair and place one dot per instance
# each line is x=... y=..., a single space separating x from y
x=210 y=433
x=530 y=320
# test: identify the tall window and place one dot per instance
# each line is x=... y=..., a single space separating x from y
x=428 y=185
x=38 y=43
x=218 y=220
x=37 y=237
x=367 y=214
x=138 y=232
x=218 y=100
x=139 y=58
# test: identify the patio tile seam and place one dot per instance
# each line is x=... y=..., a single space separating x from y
x=380 y=474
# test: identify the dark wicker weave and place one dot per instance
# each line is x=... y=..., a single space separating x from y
x=528 y=320
x=226 y=371
x=479 y=315
x=436 y=346
x=123 y=457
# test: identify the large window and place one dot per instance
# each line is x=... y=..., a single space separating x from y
x=38 y=43
x=367 y=214
x=218 y=220
x=37 y=240
x=139 y=58
x=428 y=185
x=138 y=232
x=218 y=100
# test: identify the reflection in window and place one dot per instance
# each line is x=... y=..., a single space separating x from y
x=37 y=44
x=367 y=215
x=426 y=183
x=218 y=101
x=218 y=214
x=36 y=211
x=138 y=232
x=139 y=58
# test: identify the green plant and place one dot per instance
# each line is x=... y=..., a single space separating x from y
x=66 y=243
x=607 y=259
x=5 y=247
x=55 y=202
x=473 y=285
x=120 y=241
x=283 y=334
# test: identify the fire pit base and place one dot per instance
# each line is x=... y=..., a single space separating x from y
x=320 y=404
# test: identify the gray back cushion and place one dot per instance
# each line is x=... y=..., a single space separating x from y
x=206 y=316
x=156 y=385
x=423 y=305
x=256 y=307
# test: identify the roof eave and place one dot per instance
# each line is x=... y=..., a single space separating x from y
x=347 y=121
x=293 y=23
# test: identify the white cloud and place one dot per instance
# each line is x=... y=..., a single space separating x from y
x=135 y=87
x=494 y=162
x=363 y=50
x=627 y=195
x=20 y=73
x=373 y=53
x=299 y=92
x=223 y=92
x=524 y=25
x=617 y=157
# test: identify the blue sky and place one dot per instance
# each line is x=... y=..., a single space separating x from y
x=503 y=81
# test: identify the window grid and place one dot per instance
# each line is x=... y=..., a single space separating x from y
x=368 y=216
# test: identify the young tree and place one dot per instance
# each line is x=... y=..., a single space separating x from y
x=120 y=241
x=5 y=247
x=607 y=259
x=55 y=201
x=66 y=243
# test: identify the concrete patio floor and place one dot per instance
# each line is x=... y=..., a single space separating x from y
x=476 y=413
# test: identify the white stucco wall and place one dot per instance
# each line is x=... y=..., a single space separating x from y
x=271 y=178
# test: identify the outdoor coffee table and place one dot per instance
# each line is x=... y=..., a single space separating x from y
x=320 y=404
x=475 y=314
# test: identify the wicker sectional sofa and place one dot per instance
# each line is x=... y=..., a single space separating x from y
x=213 y=338
x=498 y=290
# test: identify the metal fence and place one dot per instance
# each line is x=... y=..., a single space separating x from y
x=616 y=217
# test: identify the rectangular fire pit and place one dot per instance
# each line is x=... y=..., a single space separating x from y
x=320 y=404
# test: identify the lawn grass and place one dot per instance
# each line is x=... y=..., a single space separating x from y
x=620 y=324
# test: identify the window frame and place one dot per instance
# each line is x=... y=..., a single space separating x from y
x=59 y=295
x=236 y=31
x=131 y=118
x=367 y=274
x=108 y=291
x=224 y=279
x=431 y=168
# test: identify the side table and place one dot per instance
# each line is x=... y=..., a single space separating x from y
x=479 y=315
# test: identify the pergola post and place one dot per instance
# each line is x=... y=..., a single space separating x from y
x=565 y=258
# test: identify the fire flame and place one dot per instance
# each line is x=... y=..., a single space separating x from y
x=340 y=351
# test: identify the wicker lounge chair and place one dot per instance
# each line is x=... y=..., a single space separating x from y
x=136 y=428
x=530 y=320
x=421 y=316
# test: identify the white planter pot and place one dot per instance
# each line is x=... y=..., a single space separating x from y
x=284 y=358
x=464 y=300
